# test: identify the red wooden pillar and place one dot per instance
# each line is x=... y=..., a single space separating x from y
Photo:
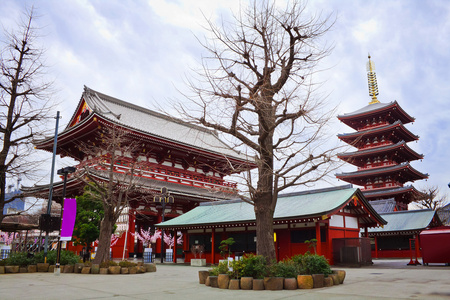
x=131 y=232
x=159 y=241
x=174 y=247
x=417 y=249
x=213 y=251
x=366 y=232
x=318 y=238
x=376 y=246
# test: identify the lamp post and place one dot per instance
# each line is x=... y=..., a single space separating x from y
x=64 y=171
x=163 y=199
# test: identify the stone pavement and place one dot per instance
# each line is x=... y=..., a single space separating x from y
x=386 y=279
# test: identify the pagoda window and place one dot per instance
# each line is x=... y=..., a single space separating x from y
x=375 y=140
x=383 y=139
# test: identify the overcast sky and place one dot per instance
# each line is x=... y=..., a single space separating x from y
x=141 y=51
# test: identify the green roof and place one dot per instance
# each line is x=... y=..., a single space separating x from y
x=289 y=206
x=408 y=220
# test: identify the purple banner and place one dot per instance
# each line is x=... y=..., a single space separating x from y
x=68 y=220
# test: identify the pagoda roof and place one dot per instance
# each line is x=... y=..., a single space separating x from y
x=384 y=205
x=397 y=128
x=401 y=146
x=406 y=222
x=384 y=192
x=162 y=128
x=375 y=110
x=408 y=173
x=304 y=206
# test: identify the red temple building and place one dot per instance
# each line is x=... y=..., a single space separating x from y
x=383 y=156
x=189 y=160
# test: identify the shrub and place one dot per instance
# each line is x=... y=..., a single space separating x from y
x=108 y=263
x=66 y=257
x=312 y=264
x=127 y=264
x=253 y=266
x=221 y=268
x=285 y=268
x=19 y=259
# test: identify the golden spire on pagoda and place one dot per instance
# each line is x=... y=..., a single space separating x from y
x=373 y=86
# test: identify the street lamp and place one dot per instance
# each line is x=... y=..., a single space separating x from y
x=64 y=171
x=163 y=199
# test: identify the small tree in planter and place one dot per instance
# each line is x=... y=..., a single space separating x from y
x=198 y=250
x=225 y=247
x=169 y=241
x=312 y=243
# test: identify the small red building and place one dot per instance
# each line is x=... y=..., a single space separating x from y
x=325 y=215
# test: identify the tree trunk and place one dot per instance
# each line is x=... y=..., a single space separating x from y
x=104 y=240
x=264 y=230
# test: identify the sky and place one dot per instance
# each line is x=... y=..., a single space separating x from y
x=143 y=51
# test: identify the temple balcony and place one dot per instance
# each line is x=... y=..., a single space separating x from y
x=165 y=173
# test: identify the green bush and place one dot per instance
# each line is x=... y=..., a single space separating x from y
x=221 y=268
x=285 y=268
x=108 y=263
x=127 y=264
x=19 y=259
x=66 y=257
x=312 y=264
x=251 y=265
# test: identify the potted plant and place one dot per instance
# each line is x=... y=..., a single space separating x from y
x=169 y=241
x=148 y=239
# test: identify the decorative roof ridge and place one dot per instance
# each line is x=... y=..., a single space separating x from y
x=408 y=211
x=402 y=165
x=401 y=143
x=315 y=191
x=375 y=108
x=120 y=102
x=398 y=122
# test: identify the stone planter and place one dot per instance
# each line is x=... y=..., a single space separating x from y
x=124 y=271
x=273 y=283
x=335 y=279
x=67 y=268
x=104 y=271
x=150 y=267
x=86 y=270
x=207 y=282
x=247 y=283
x=198 y=262
x=234 y=284
x=132 y=270
x=341 y=275
x=213 y=281
x=327 y=282
x=223 y=280
x=318 y=280
x=95 y=269
x=140 y=269
x=290 y=283
x=23 y=270
x=32 y=269
x=51 y=268
x=42 y=267
x=2 y=269
x=78 y=267
x=114 y=270
x=305 y=282
x=258 y=284
x=202 y=275
x=11 y=269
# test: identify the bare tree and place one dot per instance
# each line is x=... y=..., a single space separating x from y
x=112 y=173
x=257 y=87
x=24 y=103
x=431 y=199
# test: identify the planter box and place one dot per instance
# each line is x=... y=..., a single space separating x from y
x=202 y=275
x=32 y=269
x=150 y=267
x=223 y=281
x=290 y=283
x=86 y=270
x=258 y=284
x=11 y=269
x=198 y=262
x=273 y=283
x=234 y=284
x=2 y=269
x=42 y=267
x=103 y=271
x=247 y=283
x=114 y=270
x=305 y=282
x=68 y=269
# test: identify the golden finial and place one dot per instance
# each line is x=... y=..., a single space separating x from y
x=373 y=86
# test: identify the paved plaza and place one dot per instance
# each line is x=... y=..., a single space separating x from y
x=386 y=279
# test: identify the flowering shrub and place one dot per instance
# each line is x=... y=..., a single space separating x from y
x=168 y=239
x=147 y=238
x=7 y=238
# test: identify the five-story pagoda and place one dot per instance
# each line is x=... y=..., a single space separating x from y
x=383 y=156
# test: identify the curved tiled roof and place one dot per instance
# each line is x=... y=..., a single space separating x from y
x=378 y=108
x=290 y=206
x=156 y=124
x=409 y=220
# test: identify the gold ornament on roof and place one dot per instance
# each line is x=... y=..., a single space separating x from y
x=373 y=85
